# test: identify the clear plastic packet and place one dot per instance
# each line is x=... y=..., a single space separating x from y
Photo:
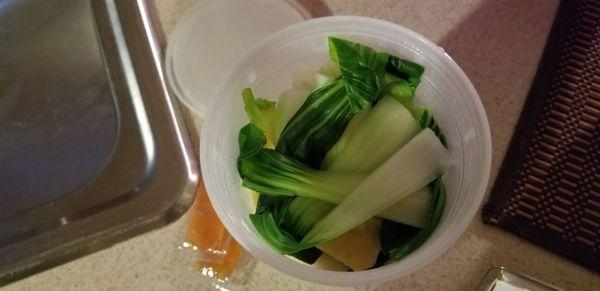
x=214 y=253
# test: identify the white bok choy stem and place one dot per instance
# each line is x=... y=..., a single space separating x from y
x=412 y=167
x=411 y=210
x=371 y=139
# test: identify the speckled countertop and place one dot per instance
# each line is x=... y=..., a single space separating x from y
x=498 y=44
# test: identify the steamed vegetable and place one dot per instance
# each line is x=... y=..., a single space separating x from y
x=261 y=112
x=322 y=118
x=418 y=163
x=434 y=215
x=274 y=174
x=288 y=104
x=349 y=145
x=406 y=70
x=411 y=210
x=422 y=159
x=363 y=70
x=362 y=148
x=427 y=121
x=302 y=213
x=317 y=125
x=304 y=83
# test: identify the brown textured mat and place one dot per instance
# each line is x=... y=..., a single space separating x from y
x=548 y=189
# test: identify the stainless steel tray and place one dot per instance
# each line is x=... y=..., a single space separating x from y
x=91 y=148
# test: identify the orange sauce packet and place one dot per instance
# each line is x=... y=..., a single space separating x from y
x=218 y=252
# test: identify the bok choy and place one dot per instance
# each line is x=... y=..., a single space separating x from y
x=345 y=163
x=414 y=166
x=274 y=174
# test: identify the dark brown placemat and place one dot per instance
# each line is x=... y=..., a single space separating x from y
x=548 y=189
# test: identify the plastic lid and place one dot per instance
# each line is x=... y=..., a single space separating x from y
x=213 y=36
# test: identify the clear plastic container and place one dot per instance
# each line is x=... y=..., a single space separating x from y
x=268 y=69
x=212 y=36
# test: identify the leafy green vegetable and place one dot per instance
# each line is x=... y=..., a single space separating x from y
x=317 y=125
x=426 y=120
x=302 y=213
x=266 y=203
x=438 y=203
x=411 y=210
x=261 y=112
x=406 y=70
x=362 y=68
x=284 y=211
x=272 y=173
x=277 y=237
x=371 y=139
x=400 y=89
x=297 y=206
x=287 y=105
x=251 y=140
x=320 y=121
x=420 y=161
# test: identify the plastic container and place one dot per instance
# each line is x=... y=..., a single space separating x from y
x=268 y=69
x=212 y=36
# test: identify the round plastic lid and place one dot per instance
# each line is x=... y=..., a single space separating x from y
x=213 y=35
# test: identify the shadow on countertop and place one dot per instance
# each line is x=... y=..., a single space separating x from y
x=499 y=47
x=316 y=8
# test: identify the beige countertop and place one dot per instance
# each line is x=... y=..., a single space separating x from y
x=498 y=44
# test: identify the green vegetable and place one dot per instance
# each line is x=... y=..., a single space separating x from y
x=401 y=91
x=287 y=105
x=406 y=70
x=297 y=205
x=290 y=100
x=276 y=175
x=320 y=121
x=251 y=140
x=362 y=69
x=275 y=204
x=435 y=213
x=283 y=210
x=426 y=120
x=370 y=140
x=411 y=210
x=416 y=164
x=275 y=236
x=260 y=112
x=286 y=177
x=317 y=125
x=272 y=173
x=302 y=213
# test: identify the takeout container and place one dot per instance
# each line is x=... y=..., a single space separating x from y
x=268 y=69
